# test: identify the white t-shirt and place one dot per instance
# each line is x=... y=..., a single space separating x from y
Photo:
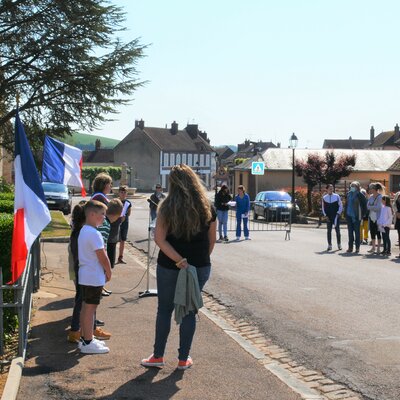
x=91 y=272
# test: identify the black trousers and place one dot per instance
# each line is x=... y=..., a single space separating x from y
x=329 y=226
x=111 y=251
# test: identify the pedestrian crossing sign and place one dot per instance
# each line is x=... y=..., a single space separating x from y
x=257 y=168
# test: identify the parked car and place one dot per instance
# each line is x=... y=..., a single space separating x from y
x=275 y=206
x=58 y=197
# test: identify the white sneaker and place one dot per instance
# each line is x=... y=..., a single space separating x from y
x=94 y=339
x=94 y=347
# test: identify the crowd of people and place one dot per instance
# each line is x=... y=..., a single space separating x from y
x=368 y=212
x=185 y=234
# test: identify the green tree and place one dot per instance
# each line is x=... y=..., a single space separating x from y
x=67 y=64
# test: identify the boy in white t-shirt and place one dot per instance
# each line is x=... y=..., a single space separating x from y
x=94 y=272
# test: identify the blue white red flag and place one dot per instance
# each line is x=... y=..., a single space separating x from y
x=62 y=163
x=31 y=214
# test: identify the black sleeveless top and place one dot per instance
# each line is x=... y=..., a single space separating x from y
x=196 y=250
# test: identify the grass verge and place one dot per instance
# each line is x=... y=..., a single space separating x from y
x=57 y=227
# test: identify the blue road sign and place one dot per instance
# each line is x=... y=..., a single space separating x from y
x=257 y=168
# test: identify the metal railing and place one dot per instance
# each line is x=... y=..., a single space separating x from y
x=266 y=216
x=27 y=284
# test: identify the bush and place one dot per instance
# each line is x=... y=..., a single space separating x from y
x=7 y=206
x=7 y=196
x=10 y=319
x=6 y=231
x=300 y=195
x=6 y=187
x=316 y=199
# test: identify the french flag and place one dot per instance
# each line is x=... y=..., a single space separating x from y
x=62 y=163
x=31 y=214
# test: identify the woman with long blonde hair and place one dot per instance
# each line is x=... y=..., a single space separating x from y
x=186 y=235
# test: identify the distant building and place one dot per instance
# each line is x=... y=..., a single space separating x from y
x=389 y=140
x=98 y=157
x=349 y=143
x=6 y=166
x=151 y=152
x=249 y=149
x=371 y=165
x=223 y=152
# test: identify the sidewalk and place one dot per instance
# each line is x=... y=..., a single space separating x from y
x=54 y=369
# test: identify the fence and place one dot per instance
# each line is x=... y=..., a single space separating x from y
x=266 y=216
x=27 y=284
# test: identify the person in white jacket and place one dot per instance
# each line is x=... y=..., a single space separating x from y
x=384 y=223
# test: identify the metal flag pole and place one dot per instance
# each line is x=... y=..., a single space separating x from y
x=149 y=292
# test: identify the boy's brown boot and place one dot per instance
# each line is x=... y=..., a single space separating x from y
x=74 y=336
x=100 y=334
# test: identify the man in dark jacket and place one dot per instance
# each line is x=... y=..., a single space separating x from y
x=332 y=208
x=356 y=208
x=155 y=198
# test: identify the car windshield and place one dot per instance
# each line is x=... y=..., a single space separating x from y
x=277 y=196
x=54 y=187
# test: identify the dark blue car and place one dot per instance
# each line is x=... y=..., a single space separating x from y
x=274 y=206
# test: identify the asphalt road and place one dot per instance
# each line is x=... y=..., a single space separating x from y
x=334 y=312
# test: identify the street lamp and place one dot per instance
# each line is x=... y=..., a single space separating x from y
x=293 y=144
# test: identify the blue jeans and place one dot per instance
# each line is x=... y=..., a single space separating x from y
x=353 y=228
x=166 y=283
x=222 y=222
x=239 y=220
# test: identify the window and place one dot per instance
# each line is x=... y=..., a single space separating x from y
x=166 y=161
x=190 y=159
x=201 y=159
x=195 y=159
x=184 y=158
x=208 y=157
x=172 y=159
x=178 y=158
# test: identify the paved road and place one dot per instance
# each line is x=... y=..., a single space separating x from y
x=334 y=312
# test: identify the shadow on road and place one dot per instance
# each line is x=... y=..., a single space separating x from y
x=144 y=387
x=44 y=345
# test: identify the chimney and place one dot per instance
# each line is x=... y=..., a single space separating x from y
x=203 y=135
x=396 y=133
x=351 y=142
x=372 y=135
x=139 y=124
x=192 y=130
x=174 y=128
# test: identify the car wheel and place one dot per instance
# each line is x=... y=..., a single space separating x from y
x=255 y=216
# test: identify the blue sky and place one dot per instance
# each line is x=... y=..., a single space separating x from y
x=263 y=69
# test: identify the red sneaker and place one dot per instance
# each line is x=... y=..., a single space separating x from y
x=185 y=364
x=153 y=362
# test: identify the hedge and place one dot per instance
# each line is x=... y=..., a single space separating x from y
x=7 y=206
x=6 y=231
x=7 y=196
x=10 y=318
